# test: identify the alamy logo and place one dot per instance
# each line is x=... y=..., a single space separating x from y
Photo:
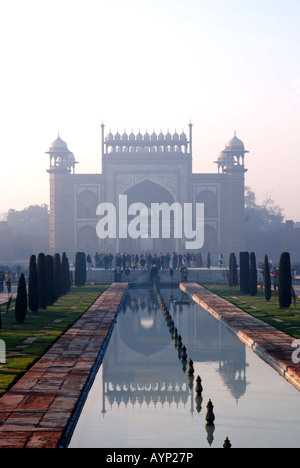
x=161 y=219
x=296 y=353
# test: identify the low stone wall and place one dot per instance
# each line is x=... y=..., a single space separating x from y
x=195 y=275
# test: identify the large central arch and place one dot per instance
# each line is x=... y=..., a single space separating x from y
x=148 y=192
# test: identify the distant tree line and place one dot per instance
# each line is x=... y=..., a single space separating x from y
x=262 y=217
x=49 y=279
x=30 y=220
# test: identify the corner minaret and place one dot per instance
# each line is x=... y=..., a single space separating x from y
x=231 y=164
x=61 y=170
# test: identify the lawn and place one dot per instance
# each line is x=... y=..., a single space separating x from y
x=26 y=343
x=286 y=320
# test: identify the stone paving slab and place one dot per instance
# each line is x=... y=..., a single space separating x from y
x=35 y=412
x=272 y=345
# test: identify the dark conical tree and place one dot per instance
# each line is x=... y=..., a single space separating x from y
x=252 y=275
x=42 y=280
x=233 y=276
x=80 y=269
x=21 y=300
x=267 y=279
x=65 y=275
x=57 y=275
x=50 y=280
x=33 y=291
x=77 y=269
x=244 y=272
x=285 y=281
x=69 y=275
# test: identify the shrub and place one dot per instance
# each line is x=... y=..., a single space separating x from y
x=42 y=280
x=57 y=276
x=33 y=291
x=285 y=281
x=21 y=300
x=65 y=275
x=80 y=269
x=244 y=272
x=50 y=280
x=267 y=279
x=233 y=276
x=252 y=275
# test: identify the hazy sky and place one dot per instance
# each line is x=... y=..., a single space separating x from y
x=141 y=64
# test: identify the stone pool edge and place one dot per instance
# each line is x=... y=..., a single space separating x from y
x=269 y=343
x=39 y=411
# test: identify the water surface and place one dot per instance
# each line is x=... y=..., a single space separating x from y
x=142 y=396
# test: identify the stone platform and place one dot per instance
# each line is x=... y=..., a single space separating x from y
x=36 y=411
x=195 y=275
x=272 y=345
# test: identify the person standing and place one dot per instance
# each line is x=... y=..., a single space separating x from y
x=208 y=260
x=89 y=262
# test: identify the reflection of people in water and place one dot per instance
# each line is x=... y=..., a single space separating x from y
x=153 y=273
x=118 y=273
x=127 y=273
x=184 y=273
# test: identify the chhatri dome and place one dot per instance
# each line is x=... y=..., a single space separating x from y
x=58 y=145
x=235 y=144
x=61 y=158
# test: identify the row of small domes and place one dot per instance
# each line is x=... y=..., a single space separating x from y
x=147 y=137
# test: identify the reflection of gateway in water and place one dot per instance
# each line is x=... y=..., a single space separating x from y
x=142 y=366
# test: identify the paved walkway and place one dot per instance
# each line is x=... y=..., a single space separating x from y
x=272 y=345
x=35 y=412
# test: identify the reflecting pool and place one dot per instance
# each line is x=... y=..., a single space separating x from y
x=142 y=396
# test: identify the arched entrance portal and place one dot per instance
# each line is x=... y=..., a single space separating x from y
x=148 y=192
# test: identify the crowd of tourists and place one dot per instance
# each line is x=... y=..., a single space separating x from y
x=123 y=263
x=145 y=261
x=5 y=280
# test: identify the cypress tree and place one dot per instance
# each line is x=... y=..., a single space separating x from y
x=233 y=277
x=77 y=269
x=244 y=272
x=285 y=281
x=267 y=279
x=252 y=275
x=50 y=280
x=68 y=275
x=42 y=280
x=65 y=275
x=57 y=276
x=33 y=291
x=21 y=300
x=230 y=271
x=83 y=267
x=80 y=269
